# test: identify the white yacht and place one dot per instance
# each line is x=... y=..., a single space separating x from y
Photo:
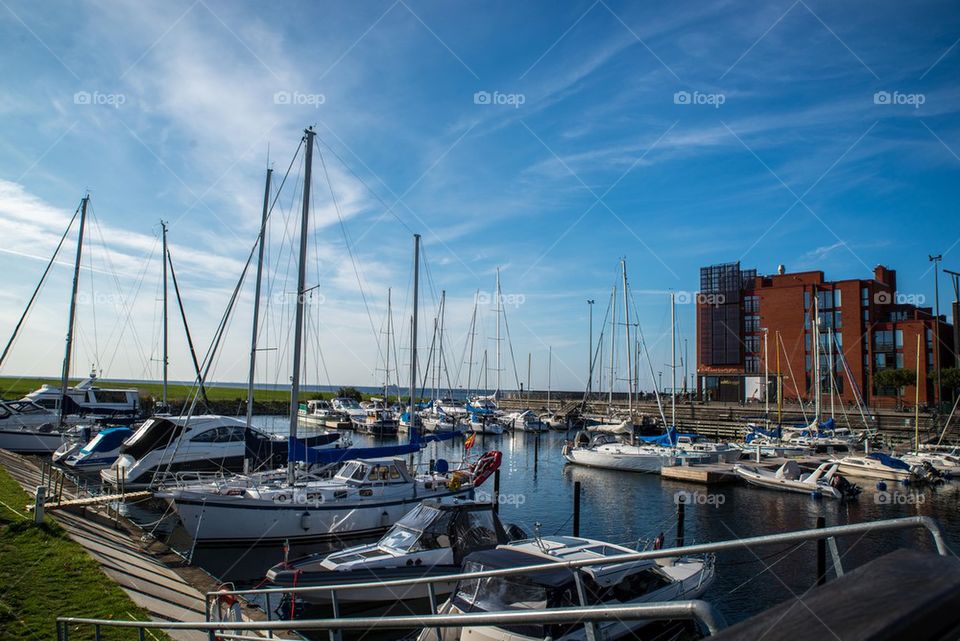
x=363 y=499
x=877 y=465
x=87 y=399
x=165 y=449
x=716 y=452
x=429 y=541
x=623 y=583
x=318 y=413
x=93 y=454
x=452 y=408
x=945 y=461
x=523 y=421
x=28 y=428
x=824 y=481
x=608 y=452
x=350 y=409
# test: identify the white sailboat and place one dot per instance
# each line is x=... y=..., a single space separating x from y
x=365 y=497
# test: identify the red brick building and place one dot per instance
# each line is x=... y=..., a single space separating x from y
x=866 y=326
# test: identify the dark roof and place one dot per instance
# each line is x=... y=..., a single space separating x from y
x=503 y=558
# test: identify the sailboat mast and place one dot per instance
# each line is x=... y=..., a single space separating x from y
x=65 y=377
x=766 y=375
x=626 y=325
x=833 y=370
x=166 y=359
x=473 y=334
x=499 y=304
x=815 y=327
x=386 y=375
x=443 y=313
x=613 y=339
x=673 y=363
x=413 y=336
x=779 y=382
x=549 y=374
x=301 y=293
x=256 y=299
x=916 y=401
x=529 y=363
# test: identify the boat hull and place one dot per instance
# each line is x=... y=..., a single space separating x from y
x=213 y=519
x=28 y=441
x=651 y=464
x=372 y=597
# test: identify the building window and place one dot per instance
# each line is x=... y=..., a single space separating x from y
x=751 y=324
x=837 y=319
x=899 y=335
x=836 y=298
x=751 y=304
x=881 y=360
x=929 y=338
x=866 y=316
x=864 y=297
x=751 y=344
x=806 y=300
x=752 y=364
x=899 y=360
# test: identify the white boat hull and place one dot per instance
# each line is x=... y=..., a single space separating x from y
x=30 y=441
x=619 y=460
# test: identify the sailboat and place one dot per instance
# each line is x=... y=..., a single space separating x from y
x=365 y=497
x=39 y=422
x=603 y=449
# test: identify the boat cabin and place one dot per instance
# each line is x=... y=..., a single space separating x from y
x=366 y=472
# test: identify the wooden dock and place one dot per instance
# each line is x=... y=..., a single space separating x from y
x=141 y=566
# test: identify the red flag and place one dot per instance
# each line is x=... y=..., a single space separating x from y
x=467 y=444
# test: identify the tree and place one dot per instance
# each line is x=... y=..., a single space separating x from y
x=350 y=392
x=896 y=379
x=949 y=377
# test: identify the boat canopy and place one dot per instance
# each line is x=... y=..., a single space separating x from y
x=670 y=438
x=107 y=440
x=889 y=461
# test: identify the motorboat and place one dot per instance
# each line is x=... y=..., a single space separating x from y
x=944 y=461
x=608 y=584
x=452 y=408
x=824 y=481
x=715 y=452
x=90 y=401
x=350 y=409
x=29 y=428
x=169 y=449
x=523 y=421
x=606 y=451
x=363 y=499
x=878 y=465
x=431 y=540
x=555 y=422
x=319 y=413
x=93 y=454
x=480 y=424
x=438 y=421
x=376 y=420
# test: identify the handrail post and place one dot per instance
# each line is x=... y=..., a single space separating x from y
x=335 y=607
x=269 y=613
x=433 y=607
x=96 y=633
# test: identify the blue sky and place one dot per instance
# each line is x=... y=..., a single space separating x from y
x=549 y=139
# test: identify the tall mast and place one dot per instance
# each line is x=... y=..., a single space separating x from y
x=65 y=377
x=766 y=375
x=916 y=401
x=529 y=363
x=673 y=364
x=256 y=300
x=613 y=338
x=413 y=337
x=301 y=293
x=473 y=334
x=832 y=370
x=386 y=376
x=626 y=325
x=815 y=327
x=486 y=371
x=499 y=304
x=166 y=359
x=589 y=350
x=549 y=374
x=779 y=382
x=443 y=311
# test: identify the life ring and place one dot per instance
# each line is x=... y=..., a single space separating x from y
x=485 y=466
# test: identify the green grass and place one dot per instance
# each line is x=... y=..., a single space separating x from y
x=11 y=388
x=46 y=575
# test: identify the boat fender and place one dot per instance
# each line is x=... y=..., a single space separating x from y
x=485 y=466
x=658 y=542
x=305 y=521
x=384 y=519
x=456 y=480
x=881 y=486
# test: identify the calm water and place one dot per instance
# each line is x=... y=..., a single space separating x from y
x=537 y=493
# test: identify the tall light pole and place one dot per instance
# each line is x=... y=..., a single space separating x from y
x=936 y=328
x=590 y=351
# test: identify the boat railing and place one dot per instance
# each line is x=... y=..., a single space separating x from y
x=699 y=611
x=829 y=533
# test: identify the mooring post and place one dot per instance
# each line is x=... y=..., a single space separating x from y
x=496 y=491
x=576 y=508
x=821 y=554
x=536 y=452
x=38 y=505
x=681 y=514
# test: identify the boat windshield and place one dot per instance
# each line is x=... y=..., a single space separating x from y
x=420 y=529
x=26 y=407
x=496 y=593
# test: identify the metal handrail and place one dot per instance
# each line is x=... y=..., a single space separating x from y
x=697 y=610
x=765 y=539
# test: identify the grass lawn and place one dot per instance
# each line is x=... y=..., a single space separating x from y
x=46 y=575
x=11 y=388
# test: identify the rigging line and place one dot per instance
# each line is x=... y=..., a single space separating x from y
x=36 y=291
x=93 y=302
x=127 y=323
x=186 y=327
x=353 y=261
x=389 y=209
x=506 y=326
x=122 y=322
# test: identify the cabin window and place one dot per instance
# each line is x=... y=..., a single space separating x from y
x=360 y=473
x=210 y=436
